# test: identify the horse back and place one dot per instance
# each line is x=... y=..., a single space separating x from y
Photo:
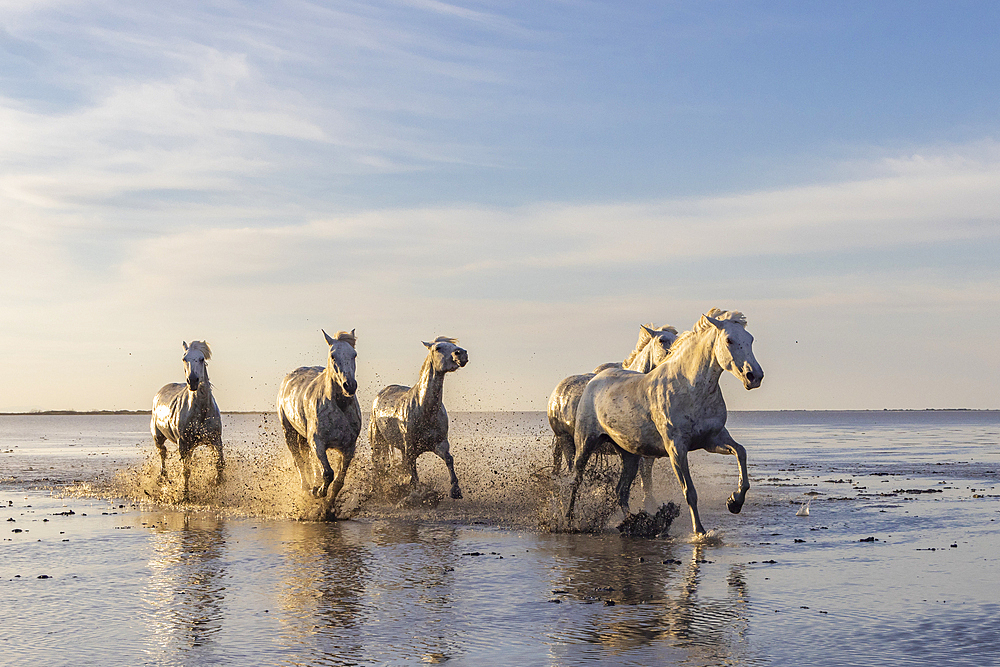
x=167 y=406
x=615 y=404
x=564 y=401
x=174 y=415
x=292 y=396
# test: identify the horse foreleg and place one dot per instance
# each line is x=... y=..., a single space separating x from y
x=646 y=476
x=724 y=444
x=160 y=441
x=630 y=466
x=344 y=459
x=220 y=461
x=680 y=463
x=444 y=451
x=410 y=454
x=184 y=449
x=328 y=474
x=380 y=450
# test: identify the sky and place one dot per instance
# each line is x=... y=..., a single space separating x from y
x=535 y=178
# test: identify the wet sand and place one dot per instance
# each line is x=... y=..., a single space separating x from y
x=894 y=564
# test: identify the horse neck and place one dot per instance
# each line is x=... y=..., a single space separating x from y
x=331 y=388
x=694 y=360
x=643 y=362
x=429 y=389
x=202 y=397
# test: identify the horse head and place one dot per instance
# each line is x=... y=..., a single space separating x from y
x=446 y=355
x=195 y=360
x=734 y=347
x=659 y=343
x=341 y=365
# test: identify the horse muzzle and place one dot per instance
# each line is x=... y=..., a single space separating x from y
x=350 y=387
x=461 y=357
x=193 y=383
x=752 y=379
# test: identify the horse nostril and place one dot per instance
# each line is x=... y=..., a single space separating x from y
x=750 y=376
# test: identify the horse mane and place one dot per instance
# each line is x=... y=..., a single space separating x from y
x=201 y=346
x=445 y=339
x=703 y=325
x=346 y=336
x=644 y=338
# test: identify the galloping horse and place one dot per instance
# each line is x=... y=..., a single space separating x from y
x=672 y=410
x=319 y=411
x=413 y=420
x=186 y=413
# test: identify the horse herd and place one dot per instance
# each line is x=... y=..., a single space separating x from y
x=664 y=400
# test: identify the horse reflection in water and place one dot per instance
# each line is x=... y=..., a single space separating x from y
x=186 y=413
x=413 y=419
x=661 y=589
x=319 y=412
x=672 y=410
x=187 y=587
x=651 y=348
x=327 y=602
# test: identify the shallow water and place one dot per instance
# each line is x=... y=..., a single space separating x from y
x=132 y=577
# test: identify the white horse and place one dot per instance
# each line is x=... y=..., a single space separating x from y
x=186 y=413
x=319 y=411
x=672 y=410
x=651 y=348
x=413 y=420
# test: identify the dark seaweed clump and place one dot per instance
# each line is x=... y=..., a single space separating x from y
x=646 y=525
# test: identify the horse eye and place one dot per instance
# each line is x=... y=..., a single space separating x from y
x=729 y=341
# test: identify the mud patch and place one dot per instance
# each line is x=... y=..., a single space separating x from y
x=645 y=525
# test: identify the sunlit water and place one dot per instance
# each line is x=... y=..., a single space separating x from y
x=896 y=563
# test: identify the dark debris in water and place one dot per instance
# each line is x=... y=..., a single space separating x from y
x=645 y=525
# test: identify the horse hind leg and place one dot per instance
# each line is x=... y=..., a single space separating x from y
x=583 y=455
x=298 y=447
x=444 y=451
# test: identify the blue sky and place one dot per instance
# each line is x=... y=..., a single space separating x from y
x=534 y=178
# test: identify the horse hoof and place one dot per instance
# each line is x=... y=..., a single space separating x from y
x=456 y=493
x=734 y=505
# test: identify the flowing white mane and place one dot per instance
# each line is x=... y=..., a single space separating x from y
x=644 y=339
x=703 y=325
x=201 y=346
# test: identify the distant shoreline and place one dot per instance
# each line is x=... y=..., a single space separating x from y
x=84 y=413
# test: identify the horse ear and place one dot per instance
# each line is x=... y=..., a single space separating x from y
x=329 y=341
x=184 y=343
x=648 y=330
x=714 y=322
x=427 y=345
